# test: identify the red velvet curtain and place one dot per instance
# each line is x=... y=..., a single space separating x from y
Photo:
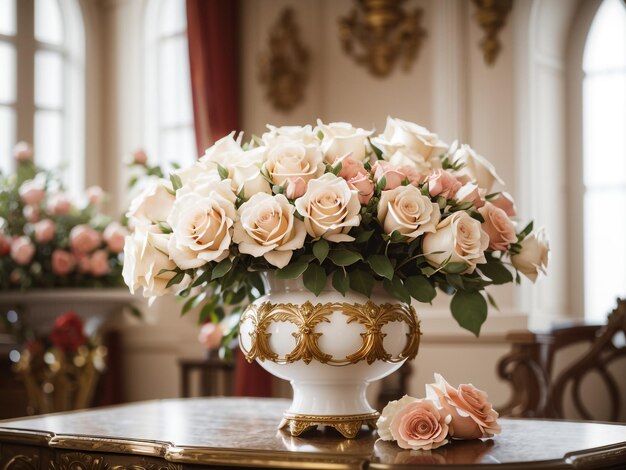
x=212 y=29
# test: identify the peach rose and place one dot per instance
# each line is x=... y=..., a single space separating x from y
x=63 y=262
x=393 y=176
x=44 y=230
x=33 y=191
x=505 y=202
x=412 y=174
x=22 y=250
x=59 y=204
x=114 y=235
x=472 y=415
x=420 y=426
x=442 y=183
x=23 y=152
x=533 y=258
x=84 y=239
x=211 y=335
x=406 y=210
x=498 y=226
x=362 y=183
x=99 y=263
x=350 y=167
x=95 y=195
x=470 y=192
x=296 y=187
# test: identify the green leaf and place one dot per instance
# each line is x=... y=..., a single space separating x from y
x=361 y=282
x=255 y=280
x=381 y=265
x=314 y=278
x=382 y=183
x=176 y=279
x=496 y=271
x=320 y=249
x=208 y=311
x=341 y=281
x=396 y=289
x=364 y=236
x=221 y=268
x=193 y=302
x=176 y=181
x=420 y=289
x=492 y=301
x=343 y=257
x=397 y=237
x=524 y=233
x=378 y=152
x=469 y=309
x=204 y=277
x=456 y=267
x=223 y=172
x=292 y=270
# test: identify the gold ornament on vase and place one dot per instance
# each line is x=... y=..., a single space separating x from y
x=378 y=33
x=491 y=16
x=284 y=69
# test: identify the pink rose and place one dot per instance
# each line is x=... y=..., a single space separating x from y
x=84 y=239
x=31 y=213
x=393 y=176
x=63 y=262
x=99 y=263
x=472 y=415
x=44 y=231
x=505 y=202
x=420 y=426
x=296 y=187
x=22 y=250
x=498 y=226
x=412 y=174
x=362 y=183
x=23 y=152
x=442 y=183
x=470 y=192
x=84 y=263
x=350 y=167
x=114 y=236
x=95 y=195
x=33 y=191
x=211 y=335
x=140 y=157
x=59 y=204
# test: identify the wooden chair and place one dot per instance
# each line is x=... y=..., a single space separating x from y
x=540 y=391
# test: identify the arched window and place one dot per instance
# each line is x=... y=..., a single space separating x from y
x=604 y=160
x=169 y=131
x=42 y=84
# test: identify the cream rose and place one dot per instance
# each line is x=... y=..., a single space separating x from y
x=533 y=257
x=330 y=208
x=341 y=139
x=470 y=192
x=152 y=205
x=267 y=227
x=245 y=173
x=293 y=160
x=223 y=151
x=458 y=238
x=476 y=168
x=201 y=223
x=409 y=212
x=285 y=134
x=498 y=226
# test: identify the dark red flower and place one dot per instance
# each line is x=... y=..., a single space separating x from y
x=67 y=333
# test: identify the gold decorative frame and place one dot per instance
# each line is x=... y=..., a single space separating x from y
x=307 y=316
x=491 y=16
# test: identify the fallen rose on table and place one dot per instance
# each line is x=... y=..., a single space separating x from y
x=446 y=413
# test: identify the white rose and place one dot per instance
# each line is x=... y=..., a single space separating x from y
x=330 y=208
x=293 y=160
x=416 y=144
x=267 y=227
x=459 y=238
x=389 y=412
x=280 y=135
x=152 y=205
x=409 y=212
x=145 y=256
x=245 y=172
x=223 y=151
x=341 y=139
x=533 y=258
x=405 y=158
x=197 y=175
x=202 y=222
x=476 y=168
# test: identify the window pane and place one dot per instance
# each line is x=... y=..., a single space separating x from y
x=48 y=79
x=7 y=138
x=48 y=21
x=606 y=43
x=172 y=18
x=48 y=137
x=7 y=73
x=605 y=252
x=604 y=121
x=178 y=146
x=7 y=16
x=175 y=83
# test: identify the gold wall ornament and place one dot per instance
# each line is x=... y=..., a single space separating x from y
x=307 y=316
x=378 y=33
x=491 y=16
x=284 y=69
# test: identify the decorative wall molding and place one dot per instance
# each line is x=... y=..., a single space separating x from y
x=491 y=16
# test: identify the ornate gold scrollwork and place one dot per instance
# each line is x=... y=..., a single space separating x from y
x=22 y=462
x=491 y=17
x=307 y=316
x=348 y=426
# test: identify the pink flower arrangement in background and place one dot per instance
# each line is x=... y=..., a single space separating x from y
x=446 y=413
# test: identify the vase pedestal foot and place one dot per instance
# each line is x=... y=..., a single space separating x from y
x=348 y=426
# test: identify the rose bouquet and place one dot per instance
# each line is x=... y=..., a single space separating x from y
x=333 y=204
x=47 y=239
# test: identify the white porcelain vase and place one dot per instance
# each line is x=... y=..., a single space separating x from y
x=330 y=348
